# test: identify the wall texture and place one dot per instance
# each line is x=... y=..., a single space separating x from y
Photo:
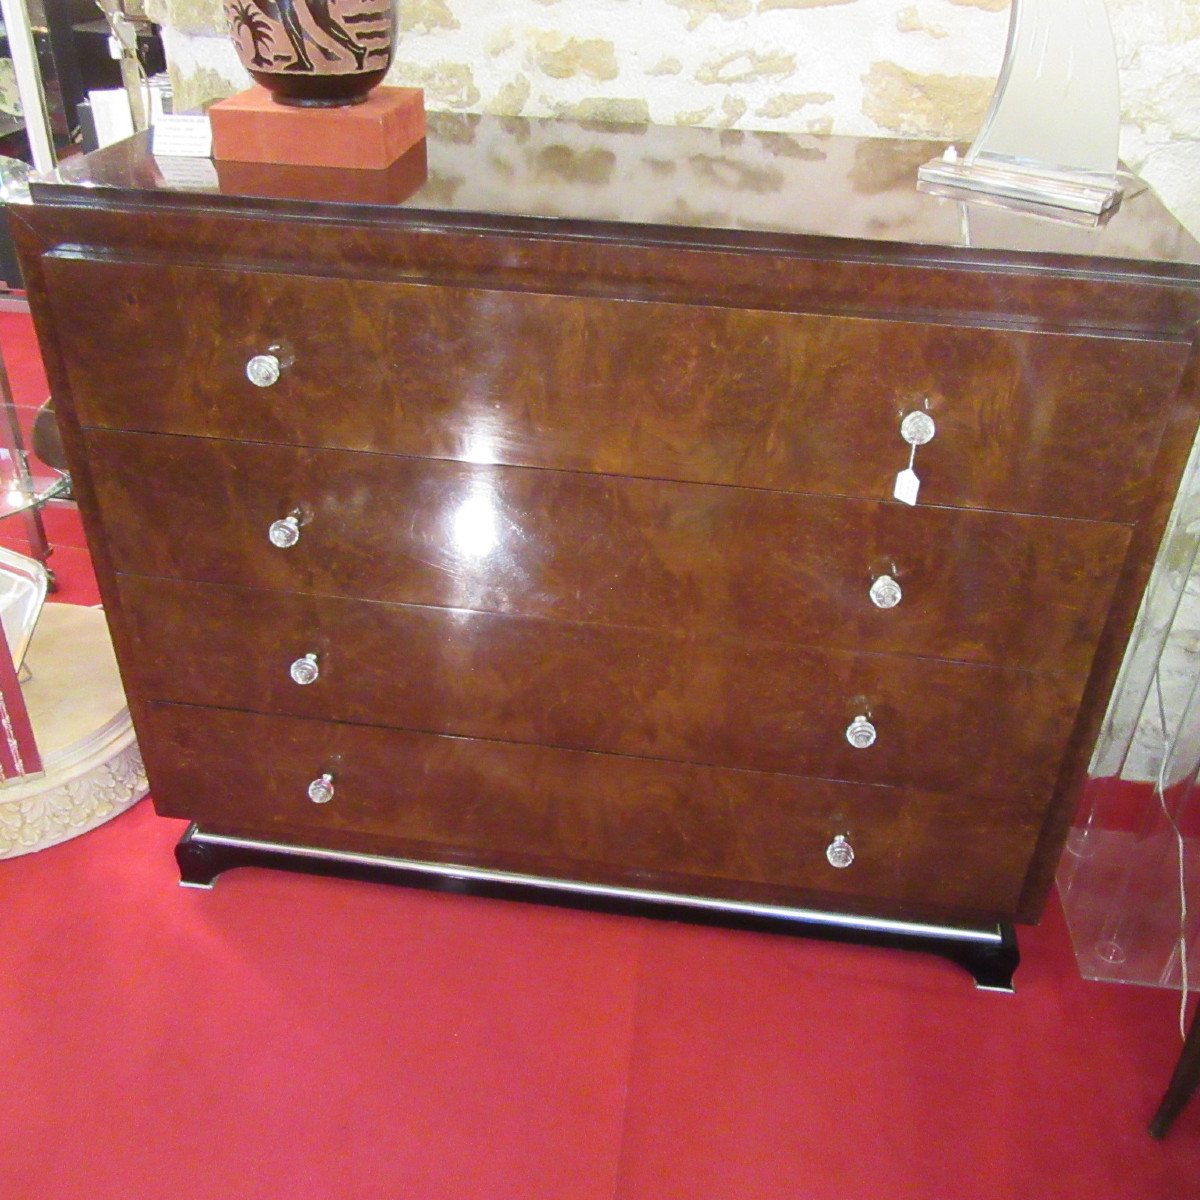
x=885 y=67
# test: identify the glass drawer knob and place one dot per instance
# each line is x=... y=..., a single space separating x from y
x=263 y=370
x=840 y=853
x=860 y=733
x=320 y=791
x=285 y=532
x=917 y=428
x=885 y=592
x=305 y=670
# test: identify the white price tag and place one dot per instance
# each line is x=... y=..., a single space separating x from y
x=191 y=174
x=182 y=135
x=907 y=486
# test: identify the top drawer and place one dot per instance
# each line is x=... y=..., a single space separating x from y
x=1026 y=422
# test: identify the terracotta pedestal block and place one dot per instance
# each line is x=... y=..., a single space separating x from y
x=251 y=127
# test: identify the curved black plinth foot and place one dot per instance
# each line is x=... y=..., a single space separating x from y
x=989 y=954
x=199 y=862
x=992 y=965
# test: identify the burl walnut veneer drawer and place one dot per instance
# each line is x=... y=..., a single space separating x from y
x=941 y=726
x=992 y=588
x=1026 y=422
x=575 y=815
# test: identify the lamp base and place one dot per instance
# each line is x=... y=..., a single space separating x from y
x=1023 y=183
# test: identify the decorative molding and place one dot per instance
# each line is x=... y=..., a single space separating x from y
x=38 y=816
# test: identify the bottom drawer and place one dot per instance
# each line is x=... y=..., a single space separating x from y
x=599 y=818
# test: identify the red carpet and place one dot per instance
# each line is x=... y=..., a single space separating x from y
x=286 y=1038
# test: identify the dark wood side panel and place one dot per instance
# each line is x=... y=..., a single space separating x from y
x=941 y=726
x=31 y=250
x=591 y=817
x=977 y=586
x=1183 y=412
x=1037 y=423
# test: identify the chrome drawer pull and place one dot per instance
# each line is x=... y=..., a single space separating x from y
x=839 y=852
x=285 y=532
x=320 y=791
x=860 y=733
x=263 y=370
x=885 y=592
x=917 y=428
x=305 y=670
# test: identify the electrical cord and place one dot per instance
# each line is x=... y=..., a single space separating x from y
x=1160 y=788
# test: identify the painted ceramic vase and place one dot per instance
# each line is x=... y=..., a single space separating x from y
x=313 y=53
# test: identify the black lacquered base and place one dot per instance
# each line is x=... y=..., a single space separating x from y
x=989 y=953
x=305 y=90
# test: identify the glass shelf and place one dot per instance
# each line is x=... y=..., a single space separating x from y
x=42 y=489
x=27 y=484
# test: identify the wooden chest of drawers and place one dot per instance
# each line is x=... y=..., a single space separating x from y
x=536 y=535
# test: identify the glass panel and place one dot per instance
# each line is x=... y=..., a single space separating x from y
x=18 y=750
x=25 y=480
x=23 y=586
x=1139 y=822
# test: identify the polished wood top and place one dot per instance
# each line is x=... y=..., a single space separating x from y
x=652 y=183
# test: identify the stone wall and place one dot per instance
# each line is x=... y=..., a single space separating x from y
x=879 y=67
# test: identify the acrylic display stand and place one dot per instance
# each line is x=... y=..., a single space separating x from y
x=1130 y=877
x=1119 y=877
